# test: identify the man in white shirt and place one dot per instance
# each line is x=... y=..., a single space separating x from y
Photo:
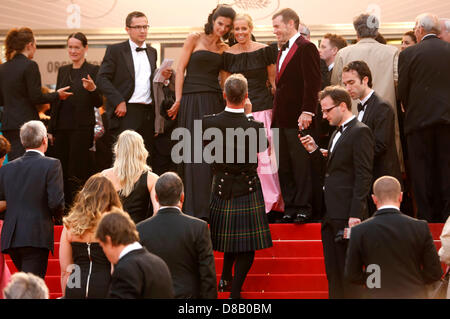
x=125 y=78
x=298 y=81
x=391 y=254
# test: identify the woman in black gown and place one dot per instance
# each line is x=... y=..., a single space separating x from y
x=72 y=121
x=85 y=270
x=199 y=94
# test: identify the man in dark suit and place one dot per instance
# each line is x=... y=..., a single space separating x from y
x=376 y=114
x=424 y=77
x=137 y=274
x=125 y=78
x=347 y=170
x=392 y=254
x=182 y=241
x=32 y=186
x=298 y=81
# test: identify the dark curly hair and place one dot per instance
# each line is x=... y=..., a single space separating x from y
x=222 y=10
x=16 y=41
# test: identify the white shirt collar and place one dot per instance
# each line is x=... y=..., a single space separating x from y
x=331 y=66
x=134 y=45
x=389 y=207
x=364 y=100
x=348 y=121
x=175 y=207
x=229 y=109
x=130 y=248
x=428 y=35
x=36 y=152
x=293 y=39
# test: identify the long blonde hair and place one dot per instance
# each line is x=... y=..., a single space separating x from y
x=95 y=198
x=130 y=160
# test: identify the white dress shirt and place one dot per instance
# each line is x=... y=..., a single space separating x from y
x=229 y=109
x=338 y=134
x=389 y=207
x=130 y=248
x=363 y=102
x=142 y=73
x=285 y=52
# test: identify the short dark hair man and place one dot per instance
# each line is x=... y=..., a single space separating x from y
x=347 y=170
x=182 y=241
x=137 y=274
x=376 y=114
x=32 y=186
x=398 y=248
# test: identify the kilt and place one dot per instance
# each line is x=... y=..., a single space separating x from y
x=239 y=224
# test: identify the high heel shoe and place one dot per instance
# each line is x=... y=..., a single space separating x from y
x=224 y=285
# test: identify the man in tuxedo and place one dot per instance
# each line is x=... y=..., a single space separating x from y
x=137 y=274
x=424 y=77
x=32 y=186
x=182 y=241
x=347 y=170
x=376 y=114
x=382 y=60
x=294 y=107
x=392 y=254
x=125 y=78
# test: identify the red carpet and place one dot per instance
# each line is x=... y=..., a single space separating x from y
x=292 y=269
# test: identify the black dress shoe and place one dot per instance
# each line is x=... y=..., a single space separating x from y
x=286 y=219
x=301 y=218
x=225 y=285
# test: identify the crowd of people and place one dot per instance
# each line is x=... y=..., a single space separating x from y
x=330 y=124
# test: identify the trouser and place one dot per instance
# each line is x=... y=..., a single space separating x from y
x=30 y=259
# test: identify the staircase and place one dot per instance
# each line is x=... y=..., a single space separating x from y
x=292 y=269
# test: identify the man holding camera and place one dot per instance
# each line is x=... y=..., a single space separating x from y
x=347 y=170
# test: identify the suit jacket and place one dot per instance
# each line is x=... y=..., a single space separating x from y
x=83 y=100
x=116 y=77
x=20 y=92
x=32 y=185
x=383 y=63
x=380 y=117
x=347 y=172
x=423 y=87
x=236 y=177
x=298 y=83
x=140 y=275
x=402 y=247
x=184 y=243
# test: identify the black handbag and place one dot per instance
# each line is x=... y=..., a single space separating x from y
x=166 y=104
x=440 y=291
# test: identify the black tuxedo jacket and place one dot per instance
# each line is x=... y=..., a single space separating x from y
x=347 y=172
x=298 y=82
x=140 y=275
x=379 y=116
x=403 y=248
x=237 y=177
x=32 y=186
x=116 y=76
x=184 y=243
x=20 y=92
x=423 y=84
x=83 y=100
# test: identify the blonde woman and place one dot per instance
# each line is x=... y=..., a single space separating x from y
x=85 y=270
x=132 y=177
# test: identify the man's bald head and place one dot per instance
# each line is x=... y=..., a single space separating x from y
x=387 y=191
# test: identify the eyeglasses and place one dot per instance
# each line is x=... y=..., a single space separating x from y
x=326 y=111
x=139 y=27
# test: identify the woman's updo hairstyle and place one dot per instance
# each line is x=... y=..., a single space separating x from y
x=222 y=10
x=16 y=41
x=80 y=37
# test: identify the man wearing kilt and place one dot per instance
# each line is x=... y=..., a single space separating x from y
x=239 y=223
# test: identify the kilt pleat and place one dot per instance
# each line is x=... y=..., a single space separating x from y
x=239 y=224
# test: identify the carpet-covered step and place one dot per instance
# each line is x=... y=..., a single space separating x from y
x=278 y=295
x=294 y=231
x=283 y=265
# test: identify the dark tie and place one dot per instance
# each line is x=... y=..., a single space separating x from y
x=360 y=107
x=341 y=128
x=285 y=46
x=140 y=49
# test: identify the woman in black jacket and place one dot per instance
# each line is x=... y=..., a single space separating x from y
x=20 y=87
x=72 y=121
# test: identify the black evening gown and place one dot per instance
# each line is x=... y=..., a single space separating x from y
x=95 y=271
x=202 y=96
x=138 y=204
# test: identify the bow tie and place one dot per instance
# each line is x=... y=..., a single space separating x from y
x=341 y=128
x=140 y=49
x=285 y=46
x=361 y=107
